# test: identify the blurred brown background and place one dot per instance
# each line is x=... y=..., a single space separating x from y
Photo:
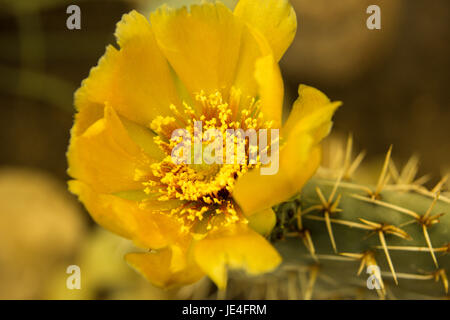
x=393 y=82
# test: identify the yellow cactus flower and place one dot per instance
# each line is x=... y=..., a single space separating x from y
x=203 y=63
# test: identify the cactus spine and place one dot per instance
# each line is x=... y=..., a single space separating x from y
x=343 y=233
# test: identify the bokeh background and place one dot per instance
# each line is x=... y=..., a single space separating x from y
x=393 y=82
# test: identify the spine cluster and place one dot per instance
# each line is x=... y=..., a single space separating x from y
x=342 y=236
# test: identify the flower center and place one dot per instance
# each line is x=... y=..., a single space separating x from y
x=204 y=181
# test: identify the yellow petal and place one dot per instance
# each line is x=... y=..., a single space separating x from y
x=105 y=157
x=258 y=75
x=275 y=19
x=299 y=158
x=237 y=247
x=271 y=89
x=312 y=111
x=144 y=138
x=146 y=228
x=201 y=44
x=85 y=118
x=298 y=162
x=162 y=268
x=135 y=80
x=263 y=221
